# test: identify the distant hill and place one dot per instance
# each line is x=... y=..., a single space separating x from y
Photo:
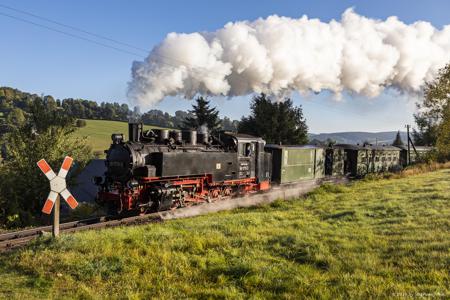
x=386 y=137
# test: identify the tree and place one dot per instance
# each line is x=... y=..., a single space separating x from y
x=43 y=116
x=229 y=125
x=46 y=134
x=203 y=114
x=276 y=122
x=437 y=97
x=443 y=139
x=15 y=117
x=398 y=140
x=426 y=133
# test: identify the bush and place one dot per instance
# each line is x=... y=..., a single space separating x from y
x=23 y=186
x=80 y=123
x=418 y=168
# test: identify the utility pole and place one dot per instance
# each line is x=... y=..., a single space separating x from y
x=409 y=150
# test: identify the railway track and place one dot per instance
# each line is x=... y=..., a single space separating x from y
x=11 y=240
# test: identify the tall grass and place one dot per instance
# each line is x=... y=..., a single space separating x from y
x=414 y=169
x=371 y=239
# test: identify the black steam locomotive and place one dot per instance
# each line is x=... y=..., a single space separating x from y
x=164 y=169
x=161 y=169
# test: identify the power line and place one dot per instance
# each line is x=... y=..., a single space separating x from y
x=73 y=28
x=193 y=68
x=70 y=34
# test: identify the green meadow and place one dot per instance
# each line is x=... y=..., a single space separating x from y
x=98 y=132
x=381 y=238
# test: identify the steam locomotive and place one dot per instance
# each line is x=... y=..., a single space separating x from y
x=162 y=169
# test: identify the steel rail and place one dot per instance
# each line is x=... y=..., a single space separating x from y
x=16 y=239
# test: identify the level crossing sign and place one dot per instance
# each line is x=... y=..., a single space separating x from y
x=57 y=184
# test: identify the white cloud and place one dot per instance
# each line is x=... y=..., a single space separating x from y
x=278 y=55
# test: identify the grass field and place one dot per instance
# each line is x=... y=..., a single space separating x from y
x=99 y=132
x=372 y=239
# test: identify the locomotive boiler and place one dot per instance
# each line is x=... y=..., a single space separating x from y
x=162 y=169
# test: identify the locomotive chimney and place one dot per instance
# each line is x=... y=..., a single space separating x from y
x=134 y=132
x=202 y=134
x=189 y=137
x=163 y=135
x=193 y=137
x=176 y=136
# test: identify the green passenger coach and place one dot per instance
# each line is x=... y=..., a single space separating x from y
x=296 y=163
x=361 y=160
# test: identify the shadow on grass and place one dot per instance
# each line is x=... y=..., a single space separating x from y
x=342 y=216
x=287 y=247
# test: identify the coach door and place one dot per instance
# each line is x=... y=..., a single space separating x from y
x=350 y=162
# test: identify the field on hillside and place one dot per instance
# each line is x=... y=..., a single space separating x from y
x=371 y=239
x=99 y=132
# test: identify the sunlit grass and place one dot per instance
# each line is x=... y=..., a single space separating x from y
x=378 y=238
x=98 y=132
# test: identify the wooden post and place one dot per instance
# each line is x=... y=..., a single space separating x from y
x=409 y=150
x=55 y=227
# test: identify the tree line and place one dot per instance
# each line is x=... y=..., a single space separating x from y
x=16 y=102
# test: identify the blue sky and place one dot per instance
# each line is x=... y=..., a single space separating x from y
x=41 y=61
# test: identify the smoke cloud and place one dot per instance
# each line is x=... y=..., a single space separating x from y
x=278 y=55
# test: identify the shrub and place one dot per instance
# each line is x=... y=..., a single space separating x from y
x=23 y=187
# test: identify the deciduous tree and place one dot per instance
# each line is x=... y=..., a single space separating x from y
x=443 y=139
x=431 y=110
x=46 y=134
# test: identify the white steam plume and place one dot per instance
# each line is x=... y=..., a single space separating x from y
x=279 y=54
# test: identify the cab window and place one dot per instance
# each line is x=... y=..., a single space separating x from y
x=246 y=149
